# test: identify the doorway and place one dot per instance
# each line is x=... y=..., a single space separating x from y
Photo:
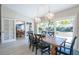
x=20 y=29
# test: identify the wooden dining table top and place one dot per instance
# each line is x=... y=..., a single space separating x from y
x=57 y=41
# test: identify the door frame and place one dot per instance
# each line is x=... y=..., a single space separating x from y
x=24 y=27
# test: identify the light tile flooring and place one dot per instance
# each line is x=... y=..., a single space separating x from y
x=19 y=47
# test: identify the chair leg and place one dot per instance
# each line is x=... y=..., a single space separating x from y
x=60 y=50
x=49 y=50
x=36 y=50
x=41 y=52
x=71 y=52
x=32 y=48
x=59 y=53
x=29 y=46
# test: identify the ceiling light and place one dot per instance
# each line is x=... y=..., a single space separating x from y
x=50 y=15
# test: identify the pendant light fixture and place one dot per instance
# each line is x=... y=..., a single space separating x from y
x=49 y=15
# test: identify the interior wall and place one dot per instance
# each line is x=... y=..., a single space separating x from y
x=68 y=13
x=0 y=22
x=7 y=13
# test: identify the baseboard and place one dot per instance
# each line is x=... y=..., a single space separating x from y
x=6 y=41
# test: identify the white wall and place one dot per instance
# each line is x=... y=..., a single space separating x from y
x=0 y=23
x=10 y=14
x=68 y=12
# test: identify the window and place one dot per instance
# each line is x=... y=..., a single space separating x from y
x=64 y=28
x=45 y=26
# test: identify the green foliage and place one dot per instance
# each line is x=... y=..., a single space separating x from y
x=60 y=26
x=63 y=26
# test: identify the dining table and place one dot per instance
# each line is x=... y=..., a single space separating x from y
x=54 y=42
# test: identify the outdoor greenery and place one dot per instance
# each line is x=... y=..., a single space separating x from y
x=47 y=26
x=62 y=26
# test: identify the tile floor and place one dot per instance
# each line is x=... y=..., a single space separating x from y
x=19 y=47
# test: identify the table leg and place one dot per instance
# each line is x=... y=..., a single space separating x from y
x=54 y=50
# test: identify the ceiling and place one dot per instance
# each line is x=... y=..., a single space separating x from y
x=32 y=10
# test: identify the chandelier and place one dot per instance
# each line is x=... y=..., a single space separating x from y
x=49 y=15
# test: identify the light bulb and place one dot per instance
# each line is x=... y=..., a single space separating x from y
x=50 y=15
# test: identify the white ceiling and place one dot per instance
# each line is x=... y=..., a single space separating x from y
x=31 y=10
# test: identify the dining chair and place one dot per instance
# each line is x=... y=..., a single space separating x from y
x=67 y=48
x=44 y=32
x=51 y=33
x=43 y=46
x=32 y=41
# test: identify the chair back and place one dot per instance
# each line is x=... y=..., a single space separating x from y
x=37 y=38
x=44 y=32
x=73 y=42
x=31 y=37
x=72 y=45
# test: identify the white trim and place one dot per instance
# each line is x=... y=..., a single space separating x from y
x=6 y=41
x=2 y=31
x=24 y=27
